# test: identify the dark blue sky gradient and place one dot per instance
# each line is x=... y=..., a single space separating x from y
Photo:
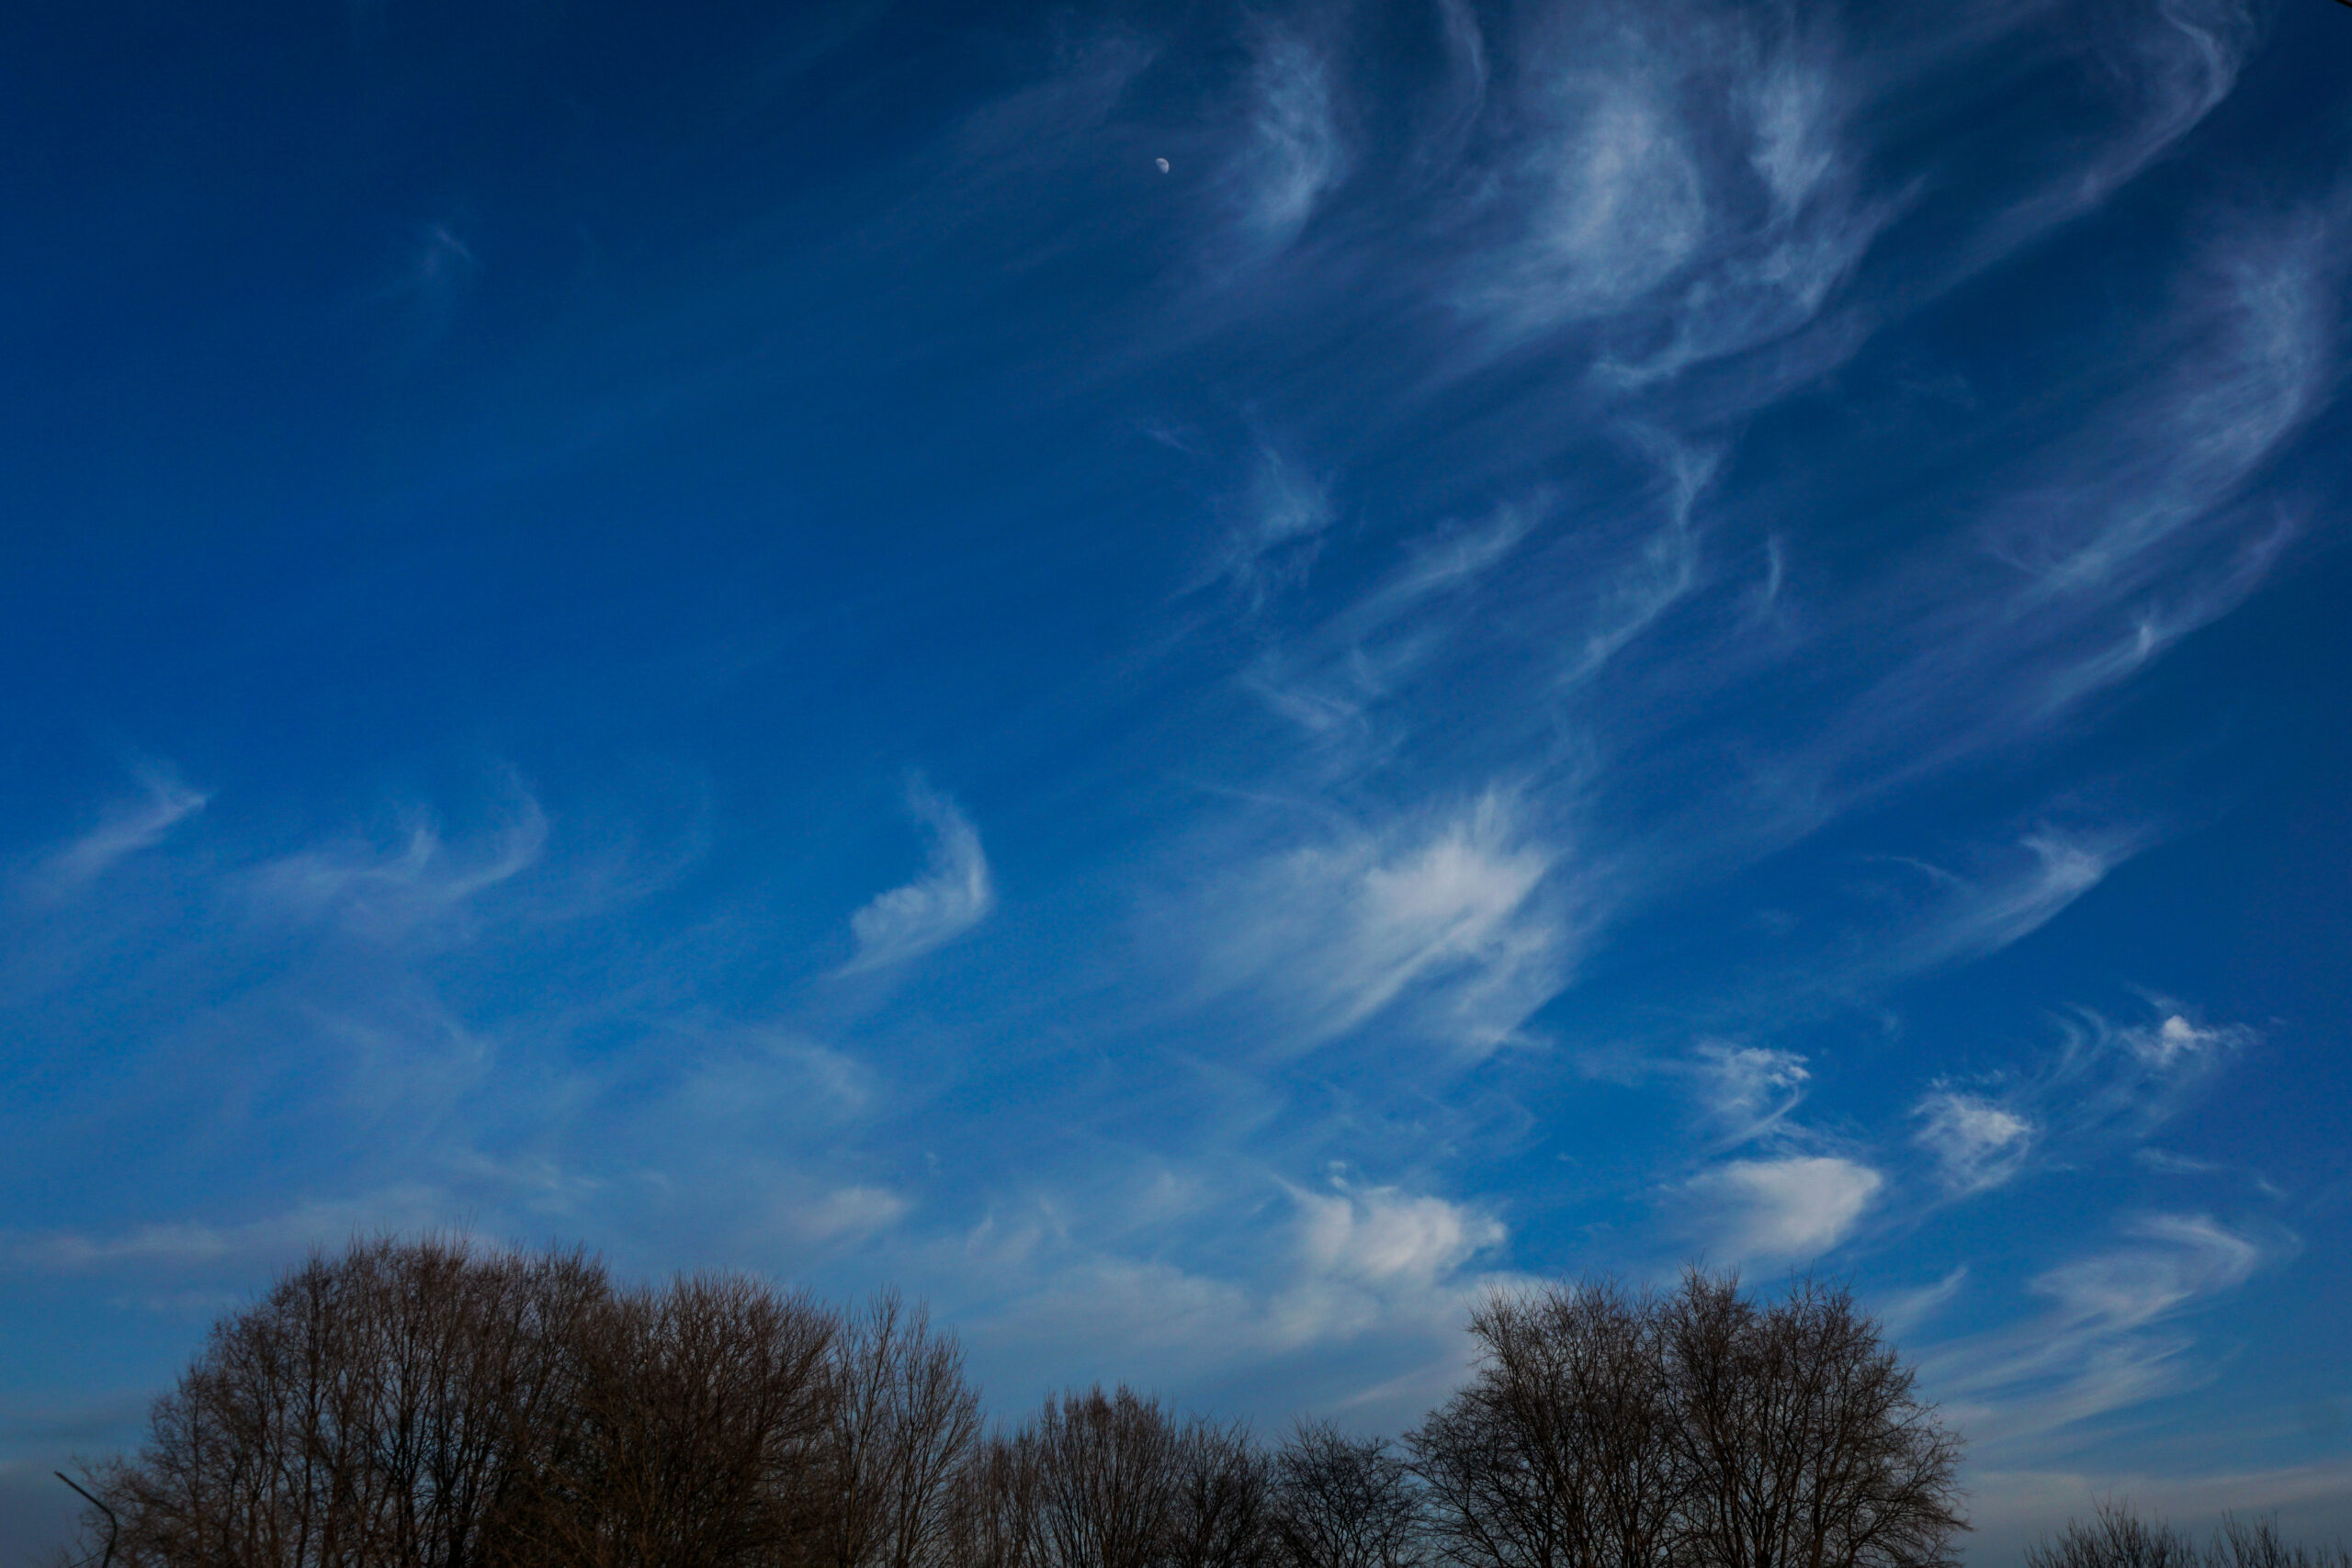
x=1593 y=635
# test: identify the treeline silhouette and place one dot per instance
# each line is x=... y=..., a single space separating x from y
x=2116 y=1537
x=430 y=1405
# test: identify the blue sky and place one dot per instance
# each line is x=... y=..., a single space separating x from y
x=1590 y=635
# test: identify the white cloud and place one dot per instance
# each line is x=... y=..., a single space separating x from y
x=2110 y=1339
x=1273 y=542
x=1366 y=653
x=1379 y=1264
x=1295 y=153
x=1793 y=1208
x=1384 y=1236
x=1977 y=1143
x=2173 y=1041
x=125 y=832
x=1616 y=206
x=1751 y=1089
x=1982 y=916
x=1654 y=577
x=952 y=896
x=2177 y=1259
x=2129 y=1081
x=383 y=894
x=843 y=1214
x=1444 y=922
x=2173 y=76
x=194 y=1243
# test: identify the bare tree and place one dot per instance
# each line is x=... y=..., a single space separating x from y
x=903 y=1421
x=1341 y=1502
x=1106 y=1480
x=1223 y=1515
x=2256 y=1543
x=1801 y=1441
x=2117 y=1537
x=1557 y=1453
x=430 y=1405
x=371 y=1409
x=991 y=1514
x=696 y=1437
x=1112 y=1480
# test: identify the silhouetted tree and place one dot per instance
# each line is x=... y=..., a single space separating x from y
x=1800 y=1439
x=1341 y=1502
x=1223 y=1515
x=1559 y=1453
x=377 y=1408
x=695 y=1435
x=1694 y=1430
x=2116 y=1537
x=430 y=1405
x=903 y=1422
x=1112 y=1480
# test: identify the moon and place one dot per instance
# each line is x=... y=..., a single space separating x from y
x=1163 y=165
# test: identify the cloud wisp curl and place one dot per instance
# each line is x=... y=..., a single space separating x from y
x=124 y=832
x=954 y=894
x=1792 y=1208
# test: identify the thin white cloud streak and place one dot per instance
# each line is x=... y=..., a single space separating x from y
x=1442 y=922
x=802 y=1215
x=2111 y=1339
x=1462 y=92
x=1295 y=153
x=1749 y=1090
x=1981 y=916
x=1657 y=575
x=2266 y=304
x=954 y=894
x=2131 y=533
x=389 y=895
x=195 y=1244
x=1976 y=1143
x=124 y=833
x=1796 y=1207
x=1281 y=518
x=1328 y=677
x=2012 y=1509
x=2178 y=72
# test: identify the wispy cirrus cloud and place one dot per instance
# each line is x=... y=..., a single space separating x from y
x=1977 y=1142
x=1749 y=1090
x=2112 y=1336
x=123 y=832
x=1294 y=155
x=271 y=1238
x=2029 y=887
x=954 y=894
x=1443 y=921
x=1277 y=529
x=1074 y=1285
x=1793 y=1208
x=1611 y=204
x=386 y=893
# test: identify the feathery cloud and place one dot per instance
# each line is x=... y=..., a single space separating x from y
x=125 y=832
x=1796 y=1207
x=952 y=894
x=1295 y=153
x=1441 y=920
x=1977 y=1143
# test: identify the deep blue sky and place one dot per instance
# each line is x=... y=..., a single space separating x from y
x=1592 y=633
